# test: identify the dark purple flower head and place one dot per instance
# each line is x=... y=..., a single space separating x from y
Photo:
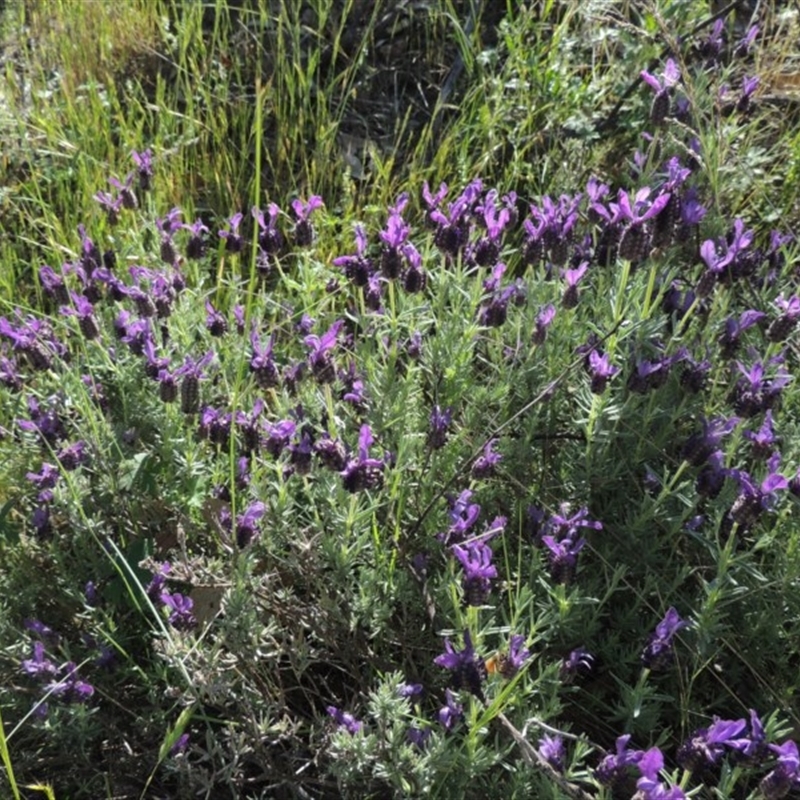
x=463 y=516
x=363 y=472
x=278 y=436
x=563 y=557
x=319 y=356
x=38 y=666
x=485 y=464
x=357 y=268
x=215 y=322
x=144 y=167
x=34 y=339
x=699 y=446
x=45 y=479
x=613 y=768
x=706 y=746
x=155 y=588
x=40 y=630
x=743 y=46
x=650 y=764
x=73 y=456
x=8 y=374
x=171 y=223
x=785 y=776
x=452 y=229
x=345 y=721
x=729 y=341
x=180 y=607
x=53 y=285
x=47 y=424
x=110 y=204
x=764 y=439
x=409 y=690
x=781 y=327
x=414 y=278
x=749 y=85
x=692 y=210
x=561 y=526
x=247 y=524
x=233 y=239
x=751 y=749
x=261 y=364
x=394 y=236
x=69 y=687
x=451 y=712
x=270 y=239
x=303 y=229
x=601 y=371
x=469 y=669
x=191 y=373
x=476 y=559
x=659 y=652
x=754 y=392
x=669 y=77
x=440 y=422
x=755 y=498
x=551 y=749
x=543 y=320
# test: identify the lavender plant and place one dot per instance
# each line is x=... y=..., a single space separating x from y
x=412 y=517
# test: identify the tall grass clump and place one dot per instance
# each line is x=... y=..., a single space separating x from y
x=469 y=474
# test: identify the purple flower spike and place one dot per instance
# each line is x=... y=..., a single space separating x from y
x=572 y=276
x=452 y=712
x=669 y=77
x=543 y=320
x=563 y=557
x=463 y=516
x=357 y=268
x=180 y=610
x=144 y=166
x=601 y=371
x=215 y=322
x=700 y=446
x=486 y=463
x=764 y=439
x=650 y=764
x=781 y=327
x=247 y=524
x=551 y=749
x=659 y=652
x=345 y=721
x=261 y=364
x=440 y=426
x=270 y=239
x=70 y=688
x=363 y=472
x=38 y=666
x=233 y=239
x=319 y=357
x=613 y=768
x=752 y=748
x=786 y=775
x=469 y=670
x=303 y=229
x=754 y=499
x=476 y=559
x=706 y=746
